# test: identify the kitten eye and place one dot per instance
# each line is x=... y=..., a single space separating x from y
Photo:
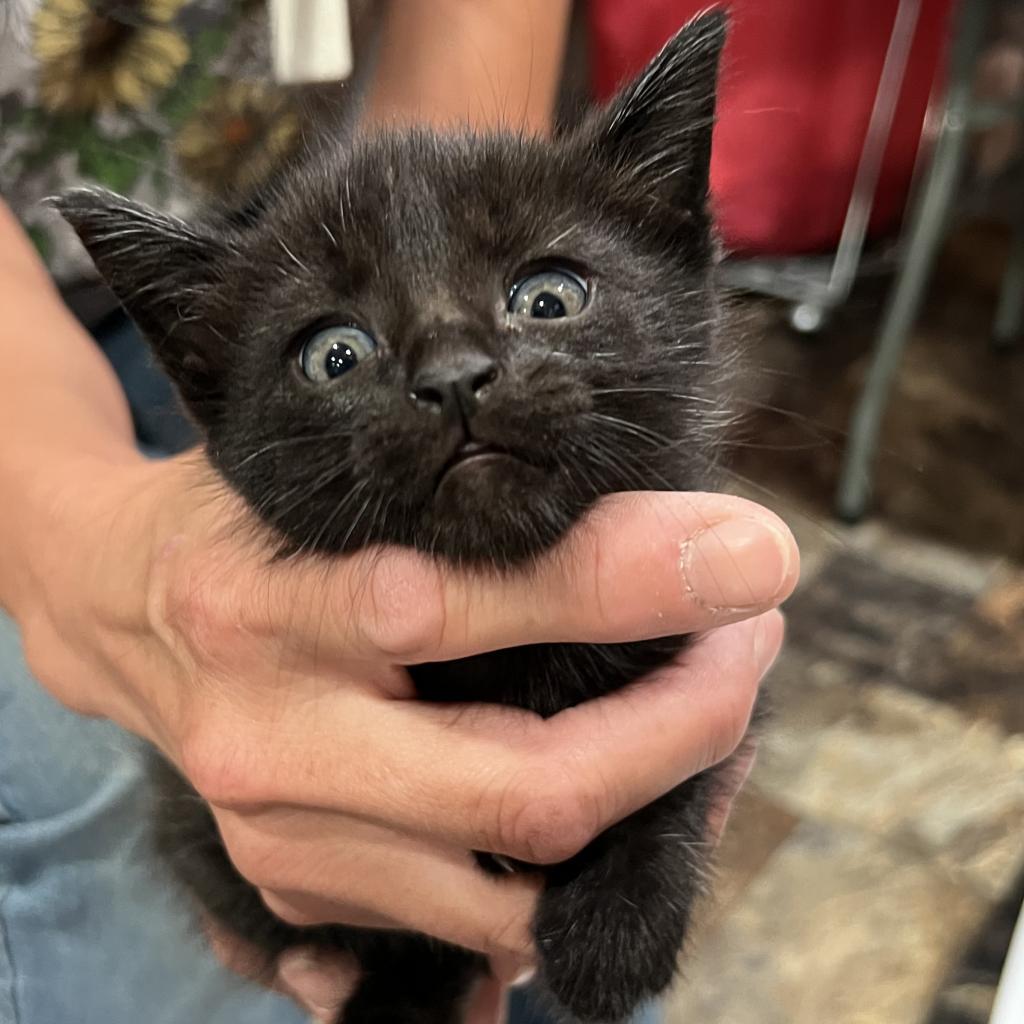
x=548 y=295
x=334 y=351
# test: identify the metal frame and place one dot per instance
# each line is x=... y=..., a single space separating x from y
x=927 y=229
x=817 y=285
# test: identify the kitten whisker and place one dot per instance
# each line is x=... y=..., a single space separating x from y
x=778 y=499
x=354 y=524
x=329 y=520
x=332 y=475
x=634 y=429
x=286 y=441
x=329 y=234
x=560 y=237
x=666 y=392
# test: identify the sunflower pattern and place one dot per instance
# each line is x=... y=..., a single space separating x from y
x=235 y=140
x=161 y=99
x=96 y=54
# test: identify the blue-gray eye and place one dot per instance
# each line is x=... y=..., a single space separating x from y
x=548 y=295
x=334 y=351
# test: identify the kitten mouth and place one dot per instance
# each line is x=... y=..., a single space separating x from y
x=475 y=453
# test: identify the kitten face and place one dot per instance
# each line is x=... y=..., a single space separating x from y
x=454 y=343
x=556 y=408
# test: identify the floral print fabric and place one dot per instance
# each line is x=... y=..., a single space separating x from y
x=164 y=100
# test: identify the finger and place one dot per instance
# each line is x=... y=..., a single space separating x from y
x=236 y=954
x=315 y=868
x=449 y=923
x=633 y=746
x=486 y=1003
x=321 y=983
x=504 y=780
x=738 y=771
x=640 y=565
x=511 y=972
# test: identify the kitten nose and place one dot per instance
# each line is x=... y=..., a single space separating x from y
x=454 y=384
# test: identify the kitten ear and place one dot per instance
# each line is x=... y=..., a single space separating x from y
x=658 y=128
x=167 y=276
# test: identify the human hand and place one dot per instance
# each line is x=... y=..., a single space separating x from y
x=279 y=689
x=321 y=983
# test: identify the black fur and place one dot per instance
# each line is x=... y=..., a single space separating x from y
x=418 y=238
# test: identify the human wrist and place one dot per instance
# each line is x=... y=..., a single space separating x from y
x=73 y=575
x=55 y=497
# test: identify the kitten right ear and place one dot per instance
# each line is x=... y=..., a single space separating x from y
x=167 y=276
x=657 y=129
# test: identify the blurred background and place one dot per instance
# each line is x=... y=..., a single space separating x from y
x=868 y=179
x=869 y=182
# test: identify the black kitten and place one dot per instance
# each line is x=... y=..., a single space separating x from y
x=459 y=345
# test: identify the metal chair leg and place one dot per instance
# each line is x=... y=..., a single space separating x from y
x=876 y=141
x=927 y=227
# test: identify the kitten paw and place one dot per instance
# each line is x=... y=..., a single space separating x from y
x=604 y=955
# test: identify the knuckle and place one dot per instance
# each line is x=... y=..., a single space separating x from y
x=546 y=817
x=221 y=770
x=510 y=934
x=402 y=615
x=197 y=610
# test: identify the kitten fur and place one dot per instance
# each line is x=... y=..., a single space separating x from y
x=418 y=238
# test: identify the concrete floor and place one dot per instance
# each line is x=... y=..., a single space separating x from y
x=873 y=867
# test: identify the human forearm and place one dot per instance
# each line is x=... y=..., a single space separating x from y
x=486 y=63
x=63 y=415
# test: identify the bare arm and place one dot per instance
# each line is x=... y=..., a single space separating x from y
x=485 y=63
x=63 y=415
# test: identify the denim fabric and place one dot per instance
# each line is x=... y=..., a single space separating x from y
x=90 y=933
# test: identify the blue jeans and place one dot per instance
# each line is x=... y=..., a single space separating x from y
x=90 y=933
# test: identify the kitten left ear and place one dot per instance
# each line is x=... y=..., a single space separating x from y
x=658 y=128
x=167 y=275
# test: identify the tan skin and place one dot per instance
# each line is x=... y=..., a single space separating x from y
x=486 y=63
x=337 y=793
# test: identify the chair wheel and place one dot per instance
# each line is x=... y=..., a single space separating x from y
x=807 y=318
